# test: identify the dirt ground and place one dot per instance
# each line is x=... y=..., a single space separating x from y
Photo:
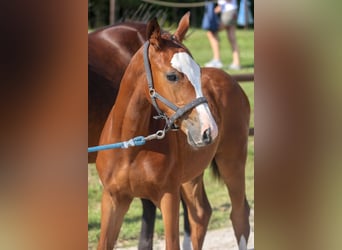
x=220 y=239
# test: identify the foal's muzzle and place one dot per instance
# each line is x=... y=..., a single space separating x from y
x=200 y=127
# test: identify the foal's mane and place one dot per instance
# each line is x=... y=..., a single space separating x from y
x=174 y=41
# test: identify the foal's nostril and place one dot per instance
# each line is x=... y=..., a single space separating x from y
x=207 y=136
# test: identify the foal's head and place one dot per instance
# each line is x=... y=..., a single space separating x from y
x=177 y=78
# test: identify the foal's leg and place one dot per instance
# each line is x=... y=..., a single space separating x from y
x=147 y=225
x=187 y=231
x=113 y=209
x=199 y=210
x=169 y=205
x=233 y=174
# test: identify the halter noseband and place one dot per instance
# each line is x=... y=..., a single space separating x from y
x=179 y=111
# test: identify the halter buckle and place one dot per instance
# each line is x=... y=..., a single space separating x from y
x=174 y=127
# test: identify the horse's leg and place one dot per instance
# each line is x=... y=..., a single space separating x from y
x=147 y=225
x=113 y=209
x=169 y=205
x=187 y=231
x=199 y=210
x=233 y=174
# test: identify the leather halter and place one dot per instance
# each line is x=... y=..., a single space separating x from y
x=179 y=111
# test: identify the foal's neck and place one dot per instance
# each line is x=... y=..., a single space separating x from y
x=132 y=111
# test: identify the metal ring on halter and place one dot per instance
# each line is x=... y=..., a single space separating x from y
x=160 y=134
x=152 y=92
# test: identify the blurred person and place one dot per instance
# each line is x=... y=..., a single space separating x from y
x=211 y=22
x=228 y=11
x=245 y=17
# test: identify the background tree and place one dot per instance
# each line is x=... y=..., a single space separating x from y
x=99 y=11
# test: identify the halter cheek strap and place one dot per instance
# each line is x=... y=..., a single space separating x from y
x=179 y=111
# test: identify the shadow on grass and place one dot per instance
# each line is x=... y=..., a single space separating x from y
x=93 y=225
x=247 y=66
x=222 y=207
x=134 y=219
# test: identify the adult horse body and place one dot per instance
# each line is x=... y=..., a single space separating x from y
x=109 y=52
x=216 y=130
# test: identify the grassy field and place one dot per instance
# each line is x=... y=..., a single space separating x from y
x=217 y=193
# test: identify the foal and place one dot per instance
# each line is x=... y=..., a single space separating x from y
x=214 y=126
x=110 y=50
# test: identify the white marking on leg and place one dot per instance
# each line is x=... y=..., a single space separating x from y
x=243 y=243
x=187 y=242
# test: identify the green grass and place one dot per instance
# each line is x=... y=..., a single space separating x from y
x=217 y=193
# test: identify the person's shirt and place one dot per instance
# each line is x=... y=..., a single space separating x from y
x=227 y=5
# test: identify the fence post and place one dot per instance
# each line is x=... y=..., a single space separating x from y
x=112 y=11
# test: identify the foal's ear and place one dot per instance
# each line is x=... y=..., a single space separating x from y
x=183 y=27
x=153 y=33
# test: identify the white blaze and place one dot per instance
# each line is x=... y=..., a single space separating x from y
x=183 y=62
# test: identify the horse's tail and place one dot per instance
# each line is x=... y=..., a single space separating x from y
x=215 y=170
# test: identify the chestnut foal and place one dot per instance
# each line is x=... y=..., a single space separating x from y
x=213 y=125
x=110 y=50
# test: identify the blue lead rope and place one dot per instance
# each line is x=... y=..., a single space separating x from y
x=136 y=141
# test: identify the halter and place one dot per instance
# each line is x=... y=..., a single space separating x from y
x=179 y=111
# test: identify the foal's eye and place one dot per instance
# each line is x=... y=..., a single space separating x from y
x=172 y=77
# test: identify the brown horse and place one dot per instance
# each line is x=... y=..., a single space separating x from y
x=213 y=125
x=110 y=50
